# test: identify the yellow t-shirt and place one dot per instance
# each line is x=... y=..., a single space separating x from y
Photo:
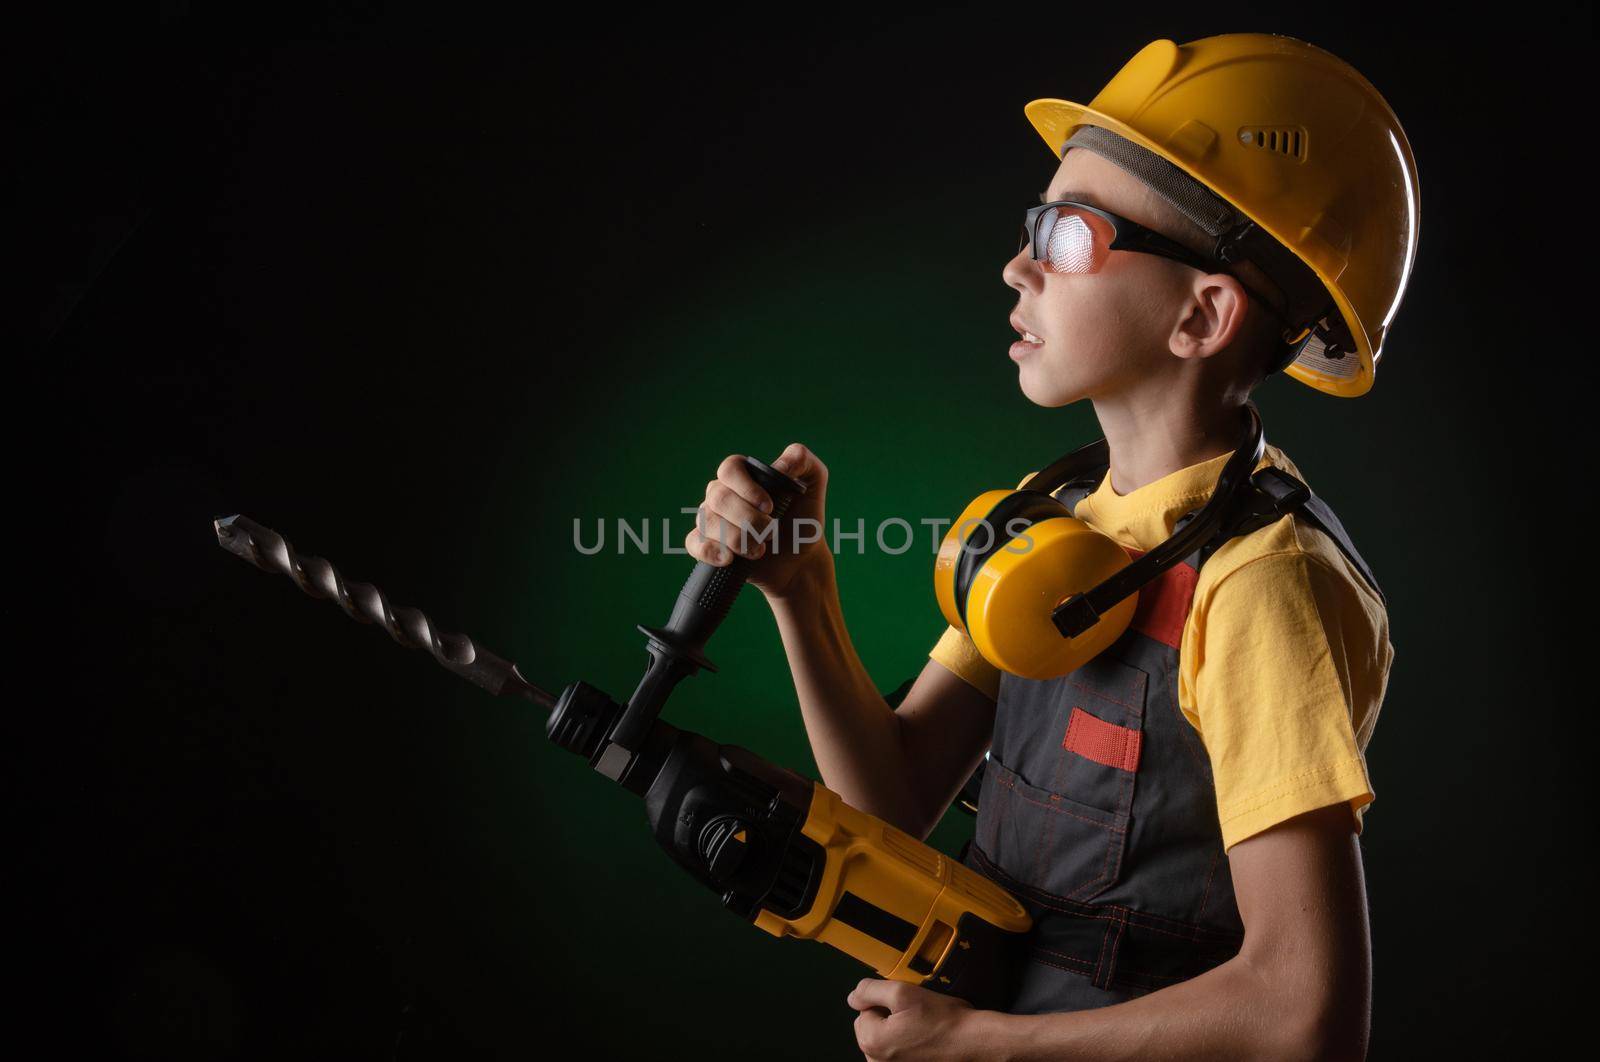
x=1282 y=662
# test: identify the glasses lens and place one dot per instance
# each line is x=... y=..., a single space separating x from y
x=1074 y=241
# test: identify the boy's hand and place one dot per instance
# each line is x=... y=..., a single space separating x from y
x=904 y=1022
x=735 y=503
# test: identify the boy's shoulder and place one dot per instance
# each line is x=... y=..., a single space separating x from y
x=1282 y=552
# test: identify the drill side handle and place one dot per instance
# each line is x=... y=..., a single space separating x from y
x=677 y=649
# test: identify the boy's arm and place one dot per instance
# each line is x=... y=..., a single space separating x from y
x=904 y=765
x=864 y=749
x=1298 y=989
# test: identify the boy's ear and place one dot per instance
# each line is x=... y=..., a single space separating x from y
x=1211 y=318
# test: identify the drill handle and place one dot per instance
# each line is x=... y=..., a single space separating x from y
x=710 y=591
x=678 y=648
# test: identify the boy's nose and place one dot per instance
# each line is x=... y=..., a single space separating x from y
x=1022 y=271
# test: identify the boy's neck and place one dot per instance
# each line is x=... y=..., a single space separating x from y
x=1154 y=435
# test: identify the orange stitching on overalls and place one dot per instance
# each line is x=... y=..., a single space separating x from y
x=1044 y=841
x=1111 y=861
x=1086 y=972
x=1143 y=919
x=1105 y=861
x=1108 y=872
x=1190 y=933
x=1105 y=873
x=1039 y=949
x=1128 y=780
x=1051 y=957
x=1059 y=811
x=1045 y=899
x=1100 y=958
x=1137 y=709
x=1122 y=929
x=1124 y=983
x=1050 y=824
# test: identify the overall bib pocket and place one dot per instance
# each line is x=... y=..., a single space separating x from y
x=1057 y=795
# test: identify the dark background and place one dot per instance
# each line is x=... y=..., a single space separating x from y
x=420 y=291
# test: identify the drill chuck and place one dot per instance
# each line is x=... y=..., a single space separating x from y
x=581 y=719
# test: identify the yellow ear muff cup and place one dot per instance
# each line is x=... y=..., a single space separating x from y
x=1012 y=595
x=968 y=525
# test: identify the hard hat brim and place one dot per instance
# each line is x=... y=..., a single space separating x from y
x=1055 y=120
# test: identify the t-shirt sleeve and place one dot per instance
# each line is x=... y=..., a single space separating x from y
x=955 y=651
x=1289 y=663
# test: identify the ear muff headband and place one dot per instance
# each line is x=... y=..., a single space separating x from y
x=1085 y=459
x=1088 y=459
x=1080 y=612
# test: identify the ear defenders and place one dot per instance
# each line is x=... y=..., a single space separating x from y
x=1039 y=591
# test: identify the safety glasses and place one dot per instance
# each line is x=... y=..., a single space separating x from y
x=1069 y=237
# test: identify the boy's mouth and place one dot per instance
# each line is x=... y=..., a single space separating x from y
x=1029 y=342
x=1022 y=348
x=1022 y=329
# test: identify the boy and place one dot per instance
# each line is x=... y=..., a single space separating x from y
x=1199 y=892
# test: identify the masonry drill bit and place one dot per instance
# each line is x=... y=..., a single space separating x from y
x=365 y=603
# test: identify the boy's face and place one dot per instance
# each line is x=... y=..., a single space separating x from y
x=1100 y=333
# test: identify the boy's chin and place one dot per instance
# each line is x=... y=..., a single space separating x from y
x=1043 y=388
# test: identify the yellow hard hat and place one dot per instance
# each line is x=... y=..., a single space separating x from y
x=1302 y=145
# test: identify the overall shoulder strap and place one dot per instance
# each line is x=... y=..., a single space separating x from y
x=1274 y=494
x=1318 y=513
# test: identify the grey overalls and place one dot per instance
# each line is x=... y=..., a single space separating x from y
x=1097 y=810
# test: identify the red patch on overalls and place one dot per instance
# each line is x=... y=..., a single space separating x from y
x=1163 y=606
x=1095 y=739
